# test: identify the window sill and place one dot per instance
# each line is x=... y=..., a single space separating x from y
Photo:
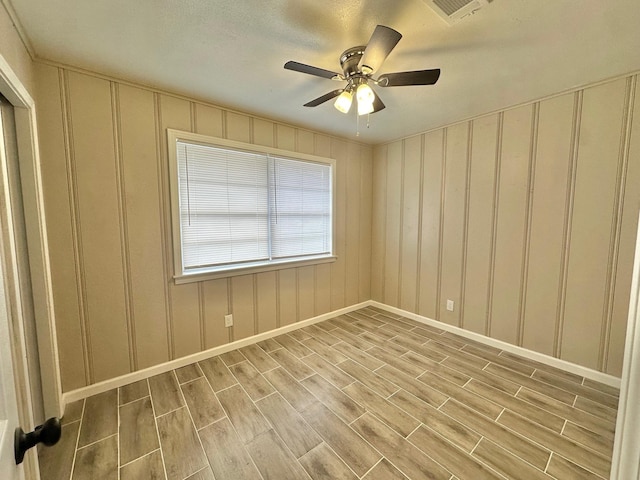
x=248 y=270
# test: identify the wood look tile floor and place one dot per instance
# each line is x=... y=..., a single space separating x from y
x=367 y=395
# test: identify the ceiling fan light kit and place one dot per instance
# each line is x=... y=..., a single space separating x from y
x=358 y=66
x=364 y=94
x=343 y=102
x=365 y=108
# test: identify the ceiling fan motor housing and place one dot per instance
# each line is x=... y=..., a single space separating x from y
x=350 y=59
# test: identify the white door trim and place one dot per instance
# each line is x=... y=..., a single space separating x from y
x=626 y=448
x=27 y=135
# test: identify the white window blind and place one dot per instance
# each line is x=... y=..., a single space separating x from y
x=301 y=213
x=245 y=208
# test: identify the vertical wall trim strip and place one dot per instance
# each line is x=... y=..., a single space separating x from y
x=297 y=270
x=278 y=322
x=193 y=111
x=76 y=232
x=344 y=226
x=315 y=151
x=360 y=220
x=494 y=226
x=167 y=265
x=383 y=261
x=443 y=179
x=533 y=156
x=193 y=117
x=202 y=316
x=420 y=213
x=566 y=235
x=315 y=290
x=401 y=220
x=225 y=134
x=230 y=306
x=315 y=267
x=116 y=118
x=371 y=230
x=465 y=224
x=616 y=228
x=274 y=132
x=256 y=326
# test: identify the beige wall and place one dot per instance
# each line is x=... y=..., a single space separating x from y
x=526 y=219
x=14 y=51
x=105 y=174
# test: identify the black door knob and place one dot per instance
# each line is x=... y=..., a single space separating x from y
x=48 y=433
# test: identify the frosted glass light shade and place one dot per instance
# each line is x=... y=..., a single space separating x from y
x=343 y=102
x=365 y=94
x=364 y=107
x=365 y=97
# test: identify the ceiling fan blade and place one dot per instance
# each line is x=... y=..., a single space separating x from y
x=418 y=77
x=308 y=69
x=382 y=41
x=324 y=98
x=377 y=103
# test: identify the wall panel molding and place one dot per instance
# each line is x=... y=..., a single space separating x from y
x=167 y=265
x=124 y=225
x=67 y=127
x=528 y=219
x=152 y=319
x=614 y=252
x=558 y=229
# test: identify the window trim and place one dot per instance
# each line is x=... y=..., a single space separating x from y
x=179 y=276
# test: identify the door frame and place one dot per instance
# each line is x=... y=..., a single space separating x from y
x=29 y=159
x=625 y=462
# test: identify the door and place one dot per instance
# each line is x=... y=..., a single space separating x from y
x=8 y=404
x=8 y=400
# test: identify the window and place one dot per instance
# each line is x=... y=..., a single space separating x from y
x=240 y=208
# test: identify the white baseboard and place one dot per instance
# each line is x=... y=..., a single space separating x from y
x=122 y=380
x=507 y=347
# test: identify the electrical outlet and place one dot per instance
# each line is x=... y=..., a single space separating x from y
x=228 y=320
x=450 y=305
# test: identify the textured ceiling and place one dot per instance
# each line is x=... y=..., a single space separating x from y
x=232 y=52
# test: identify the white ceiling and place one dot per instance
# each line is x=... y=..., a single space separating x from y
x=232 y=52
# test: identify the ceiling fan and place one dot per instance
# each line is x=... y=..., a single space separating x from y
x=358 y=66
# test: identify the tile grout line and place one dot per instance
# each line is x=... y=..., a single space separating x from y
x=564 y=425
x=243 y=444
x=328 y=407
x=97 y=441
x=75 y=450
x=514 y=454
x=140 y=457
x=363 y=348
x=372 y=467
x=548 y=462
x=224 y=417
x=133 y=401
x=476 y=445
x=155 y=422
x=195 y=429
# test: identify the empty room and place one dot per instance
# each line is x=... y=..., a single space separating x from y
x=290 y=239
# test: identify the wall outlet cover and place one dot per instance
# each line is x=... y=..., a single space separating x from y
x=228 y=320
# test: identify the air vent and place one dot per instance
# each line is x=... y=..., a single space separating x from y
x=452 y=11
